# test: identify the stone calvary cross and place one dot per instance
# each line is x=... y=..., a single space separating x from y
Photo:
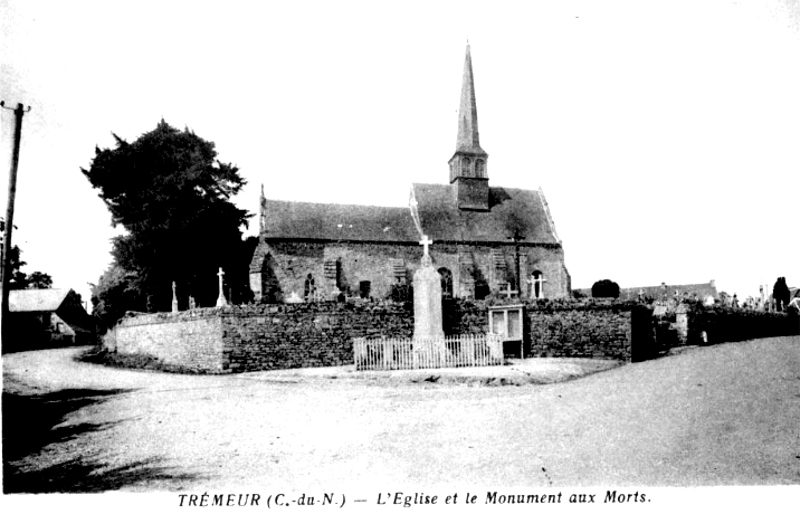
x=425 y=243
x=221 y=302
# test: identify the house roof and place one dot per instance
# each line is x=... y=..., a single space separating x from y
x=701 y=290
x=511 y=211
x=36 y=300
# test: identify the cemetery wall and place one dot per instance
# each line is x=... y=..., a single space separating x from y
x=726 y=324
x=567 y=328
x=191 y=339
x=298 y=335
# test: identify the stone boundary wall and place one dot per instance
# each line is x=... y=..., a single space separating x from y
x=568 y=328
x=191 y=339
x=726 y=324
x=306 y=334
x=259 y=337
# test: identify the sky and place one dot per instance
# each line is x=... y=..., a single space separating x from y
x=665 y=135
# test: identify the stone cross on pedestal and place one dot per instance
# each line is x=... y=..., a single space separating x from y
x=426 y=258
x=174 y=298
x=221 y=301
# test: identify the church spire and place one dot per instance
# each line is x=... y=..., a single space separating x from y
x=468 y=165
x=468 y=139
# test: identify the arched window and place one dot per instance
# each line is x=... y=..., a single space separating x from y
x=537 y=284
x=480 y=168
x=466 y=169
x=309 y=289
x=447 y=282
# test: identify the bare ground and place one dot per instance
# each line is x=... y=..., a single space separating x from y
x=728 y=414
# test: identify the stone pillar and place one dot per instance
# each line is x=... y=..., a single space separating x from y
x=429 y=347
x=427 y=303
x=682 y=323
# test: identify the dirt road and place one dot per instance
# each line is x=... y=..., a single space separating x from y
x=728 y=414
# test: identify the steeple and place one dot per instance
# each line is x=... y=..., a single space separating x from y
x=468 y=165
x=468 y=139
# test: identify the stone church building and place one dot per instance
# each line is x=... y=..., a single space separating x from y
x=486 y=239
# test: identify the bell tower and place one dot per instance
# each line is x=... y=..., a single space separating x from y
x=468 y=165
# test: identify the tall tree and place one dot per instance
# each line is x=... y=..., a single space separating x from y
x=172 y=195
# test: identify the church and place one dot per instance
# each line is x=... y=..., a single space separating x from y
x=485 y=239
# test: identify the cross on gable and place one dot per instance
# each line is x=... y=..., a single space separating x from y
x=220 y=273
x=508 y=292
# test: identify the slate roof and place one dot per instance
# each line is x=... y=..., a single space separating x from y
x=510 y=210
x=36 y=300
x=330 y=221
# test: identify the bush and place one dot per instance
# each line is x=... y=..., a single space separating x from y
x=605 y=289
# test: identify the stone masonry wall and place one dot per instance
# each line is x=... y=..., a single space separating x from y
x=564 y=328
x=191 y=339
x=588 y=333
x=306 y=334
x=292 y=261
x=281 y=336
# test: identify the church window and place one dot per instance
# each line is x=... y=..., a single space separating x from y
x=465 y=166
x=447 y=282
x=364 y=288
x=537 y=285
x=309 y=289
x=480 y=168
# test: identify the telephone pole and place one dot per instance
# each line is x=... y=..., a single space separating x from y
x=5 y=271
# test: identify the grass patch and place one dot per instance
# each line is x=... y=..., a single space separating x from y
x=104 y=357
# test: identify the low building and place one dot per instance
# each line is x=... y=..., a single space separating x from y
x=44 y=318
x=707 y=292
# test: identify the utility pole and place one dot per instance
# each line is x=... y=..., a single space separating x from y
x=5 y=271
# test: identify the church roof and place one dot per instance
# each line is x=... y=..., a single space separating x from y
x=36 y=300
x=511 y=211
x=330 y=221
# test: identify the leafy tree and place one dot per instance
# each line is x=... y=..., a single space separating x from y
x=605 y=289
x=39 y=280
x=172 y=195
x=578 y=294
x=113 y=295
x=781 y=293
x=18 y=279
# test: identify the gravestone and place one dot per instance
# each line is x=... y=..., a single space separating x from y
x=174 y=299
x=682 y=323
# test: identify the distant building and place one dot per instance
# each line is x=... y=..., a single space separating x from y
x=486 y=240
x=40 y=318
x=705 y=292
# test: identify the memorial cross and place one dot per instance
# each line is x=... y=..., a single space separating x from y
x=425 y=243
x=221 y=302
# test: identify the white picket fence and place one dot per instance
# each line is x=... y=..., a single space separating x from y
x=445 y=352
